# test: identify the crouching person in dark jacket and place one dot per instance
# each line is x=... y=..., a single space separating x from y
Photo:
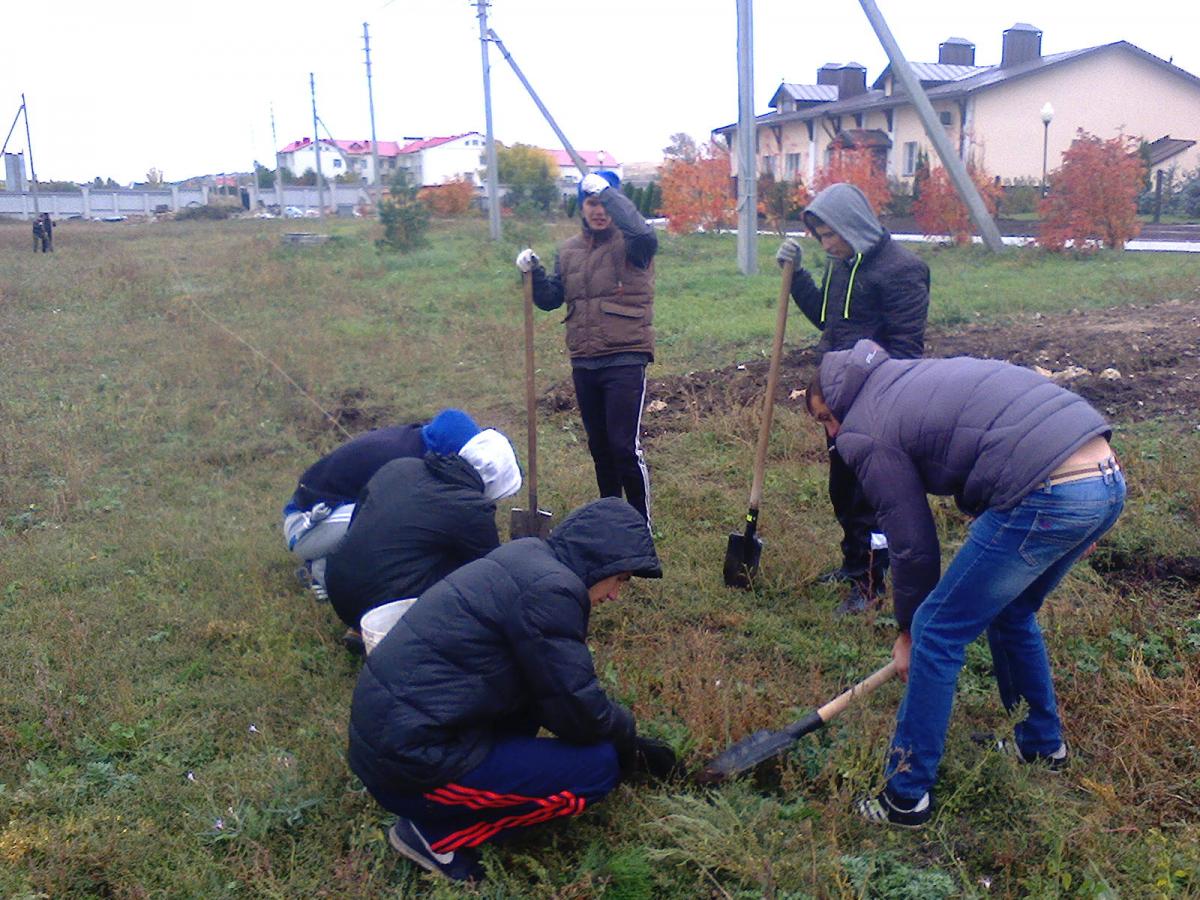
x=445 y=713
x=1031 y=462
x=418 y=520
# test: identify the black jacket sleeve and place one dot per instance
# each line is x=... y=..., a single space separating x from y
x=641 y=243
x=478 y=536
x=558 y=669
x=807 y=295
x=905 y=311
x=894 y=488
x=547 y=292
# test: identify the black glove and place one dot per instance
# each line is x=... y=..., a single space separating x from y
x=655 y=758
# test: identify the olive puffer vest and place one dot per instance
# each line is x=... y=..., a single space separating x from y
x=610 y=301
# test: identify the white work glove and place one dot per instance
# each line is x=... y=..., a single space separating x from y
x=789 y=251
x=593 y=184
x=527 y=260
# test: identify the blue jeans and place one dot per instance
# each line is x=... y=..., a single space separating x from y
x=1011 y=560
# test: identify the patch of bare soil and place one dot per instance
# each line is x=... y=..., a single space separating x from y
x=1131 y=362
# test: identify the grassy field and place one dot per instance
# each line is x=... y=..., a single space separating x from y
x=175 y=706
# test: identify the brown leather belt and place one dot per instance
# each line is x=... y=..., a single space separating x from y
x=1094 y=470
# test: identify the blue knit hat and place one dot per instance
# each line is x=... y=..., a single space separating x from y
x=448 y=431
x=611 y=177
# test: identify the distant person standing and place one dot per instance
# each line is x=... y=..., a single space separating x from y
x=605 y=276
x=43 y=233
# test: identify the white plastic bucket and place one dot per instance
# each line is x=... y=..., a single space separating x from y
x=379 y=621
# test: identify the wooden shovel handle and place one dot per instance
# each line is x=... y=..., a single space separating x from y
x=530 y=398
x=764 y=428
x=866 y=686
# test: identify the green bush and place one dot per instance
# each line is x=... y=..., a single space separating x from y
x=208 y=211
x=1021 y=195
x=405 y=218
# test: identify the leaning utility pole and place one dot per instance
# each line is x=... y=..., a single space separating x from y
x=29 y=149
x=747 y=134
x=312 y=87
x=575 y=157
x=493 y=189
x=937 y=134
x=371 y=102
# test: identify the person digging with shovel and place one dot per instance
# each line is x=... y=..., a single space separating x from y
x=1031 y=462
x=872 y=288
x=605 y=276
x=446 y=712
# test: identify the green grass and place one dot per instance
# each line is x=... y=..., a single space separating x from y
x=174 y=713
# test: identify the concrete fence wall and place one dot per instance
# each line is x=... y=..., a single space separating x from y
x=94 y=203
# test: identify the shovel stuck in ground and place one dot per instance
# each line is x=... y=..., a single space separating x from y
x=763 y=745
x=530 y=522
x=744 y=551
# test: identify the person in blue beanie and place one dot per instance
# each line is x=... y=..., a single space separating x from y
x=316 y=517
x=605 y=276
x=1031 y=462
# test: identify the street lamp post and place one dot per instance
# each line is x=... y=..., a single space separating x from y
x=1047 y=115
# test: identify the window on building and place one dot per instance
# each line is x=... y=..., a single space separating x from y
x=791 y=165
x=768 y=165
x=888 y=114
x=910 y=157
x=946 y=118
x=337 y=163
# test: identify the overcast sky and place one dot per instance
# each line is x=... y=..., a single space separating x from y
x=115 y=88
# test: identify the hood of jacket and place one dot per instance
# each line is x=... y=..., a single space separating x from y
x=603 y=538
x=844 y=372
x=845 y=209
x=453 y=469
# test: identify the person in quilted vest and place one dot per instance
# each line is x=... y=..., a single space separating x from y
x=605 y=277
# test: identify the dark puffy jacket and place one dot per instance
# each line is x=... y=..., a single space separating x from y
x=984 y=431
x=339 y=476
x=888 y=303
x=417 y=520
x=500 y=641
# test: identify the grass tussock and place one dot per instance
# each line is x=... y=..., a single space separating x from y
x=174 y=714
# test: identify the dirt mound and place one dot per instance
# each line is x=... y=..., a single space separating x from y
x=1149 y=357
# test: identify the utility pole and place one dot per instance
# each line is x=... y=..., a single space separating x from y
x=371 y=103
x=933 y=128
x=278 y=173
x=747 y=134
x=312 y=87
x=493 y=189
x=575 y=157
x=29 y=149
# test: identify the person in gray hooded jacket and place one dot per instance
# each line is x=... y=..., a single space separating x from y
x=1031 y=462
x=872 y=288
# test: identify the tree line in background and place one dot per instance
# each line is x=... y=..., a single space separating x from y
x=1092 y=200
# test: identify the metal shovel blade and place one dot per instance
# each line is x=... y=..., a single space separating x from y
x=529 y=523
x=741 y=560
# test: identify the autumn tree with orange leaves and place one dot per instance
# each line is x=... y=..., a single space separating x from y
x=780 y=199
x=696 y=193
x=454 y=198
x=860 y=167
x=1093 y=195
x=940 y=210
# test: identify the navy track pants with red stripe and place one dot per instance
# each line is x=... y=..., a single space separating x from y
x=523 y=782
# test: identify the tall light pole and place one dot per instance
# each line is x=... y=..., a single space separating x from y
x=371 y=104
x=747 y=137
x=1047 y=115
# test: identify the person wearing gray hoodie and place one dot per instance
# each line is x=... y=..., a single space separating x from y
x=1030 y=461
x=872 y=288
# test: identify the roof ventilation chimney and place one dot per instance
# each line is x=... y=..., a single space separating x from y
x=956 y=51
x=828 y=73
x=851 y=80
x=1022 y=44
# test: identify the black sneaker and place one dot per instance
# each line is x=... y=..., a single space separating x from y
x=1055 y=762
x=883 y=809
x=857 y=601
x=460 y=865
